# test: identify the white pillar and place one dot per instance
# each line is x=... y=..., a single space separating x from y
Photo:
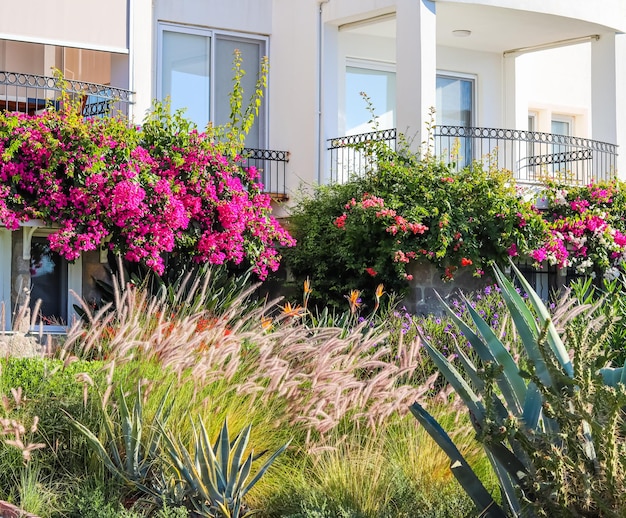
x=608 y=88
x=416 y=67
x=142 y=56
x=515 y=92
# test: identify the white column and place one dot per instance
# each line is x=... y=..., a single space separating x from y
x=416 y=67
x=142 y=56
x=515 y=93
x=608 y=88
x=515 y=97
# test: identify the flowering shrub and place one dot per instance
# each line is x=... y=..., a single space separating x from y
x=587 y=228
x=164 y=187
x=405 y=209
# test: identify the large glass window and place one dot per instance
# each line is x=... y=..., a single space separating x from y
x=196 y=73
x=378 y=82
x=48 y=282
x=561 y=152
x=455 y=107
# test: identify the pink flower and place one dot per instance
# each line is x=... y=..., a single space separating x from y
x=539 y=255
x=340 y=222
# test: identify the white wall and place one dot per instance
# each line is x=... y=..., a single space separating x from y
x=611 y=13
x=294 y=87
x=91 y=24
x=559 y=83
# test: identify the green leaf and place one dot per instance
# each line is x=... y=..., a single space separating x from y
x=553 y=338
x=510 y=382
x=455 y=379
x=526 y=327
x=265 y=467
x=459 y=466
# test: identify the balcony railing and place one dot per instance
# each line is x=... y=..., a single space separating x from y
x=30 y=93
x=531 y=156
x=273 y=166
x=349 y=155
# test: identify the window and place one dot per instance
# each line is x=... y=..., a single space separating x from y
x=378 y=81
x=48 y=282
x=195 y=72
x=51 y=280
x=561 y=152
x=455 y=107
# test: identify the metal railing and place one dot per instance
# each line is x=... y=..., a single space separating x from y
x=272 y=165
x=530 y=155
x=30 y=93
x=349 y=155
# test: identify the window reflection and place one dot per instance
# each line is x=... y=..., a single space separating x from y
x=48 y=280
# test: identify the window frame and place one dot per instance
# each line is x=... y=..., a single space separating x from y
x=473 y=78
x=366 y=64
x=74 y=278
x=213 y=34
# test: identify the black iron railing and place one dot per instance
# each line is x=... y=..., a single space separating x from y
x=273 y=167
x=530 y=155
x=30 y=93
x=350 y=155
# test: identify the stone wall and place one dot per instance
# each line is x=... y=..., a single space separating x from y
x=421 y=298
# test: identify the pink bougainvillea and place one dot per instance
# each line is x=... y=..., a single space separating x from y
x=144 y=191
x=587 y=228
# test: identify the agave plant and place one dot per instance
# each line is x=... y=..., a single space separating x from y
x=216 y=475
x=550 y=426
x=131 y=450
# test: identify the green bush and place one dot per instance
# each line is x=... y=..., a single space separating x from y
x=48 y=388
x=366 y=231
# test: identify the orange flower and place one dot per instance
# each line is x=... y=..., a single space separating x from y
x=292 y=311
x=307 y=286
x=354 y=299
x=465 y=261
x=266 y=323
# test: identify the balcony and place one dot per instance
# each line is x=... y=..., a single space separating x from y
x=272 y=165
x=30 y=93
x=531 y=156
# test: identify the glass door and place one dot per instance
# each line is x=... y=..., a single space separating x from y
x=455 y=107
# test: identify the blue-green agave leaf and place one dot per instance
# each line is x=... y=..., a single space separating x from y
x=532 y=407
x=455 y=379
x=611 y=376
x=509 y=461
x=469 y=368
x=553 y=338
x=510 y=382
x=265 y=467
x=525 y=325
x=459 y=466
x=507 y=488
x=477 y=343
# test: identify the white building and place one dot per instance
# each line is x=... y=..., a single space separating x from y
x=549 y=66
